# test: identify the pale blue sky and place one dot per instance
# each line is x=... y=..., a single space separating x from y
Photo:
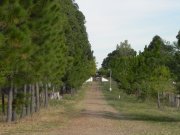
x=109 y=22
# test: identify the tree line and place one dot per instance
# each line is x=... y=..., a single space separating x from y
x=152 y=73
x=43 y=47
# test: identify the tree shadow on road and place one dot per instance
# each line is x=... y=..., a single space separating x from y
x=130 y=116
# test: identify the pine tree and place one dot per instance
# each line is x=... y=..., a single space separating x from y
x=43 y=44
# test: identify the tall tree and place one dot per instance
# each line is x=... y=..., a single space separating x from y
x=145 y=74
x=43 y=45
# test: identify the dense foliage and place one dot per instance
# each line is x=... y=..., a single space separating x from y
x=43 y=46
x=151 y=73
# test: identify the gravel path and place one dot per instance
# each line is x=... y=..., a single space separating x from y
x=96 y=118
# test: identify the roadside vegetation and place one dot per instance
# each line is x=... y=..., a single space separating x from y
x=56 y=116
x=44 y=48
x=145 y=114
x=151 y=74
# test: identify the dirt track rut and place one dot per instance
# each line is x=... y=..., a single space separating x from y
x=96 y=117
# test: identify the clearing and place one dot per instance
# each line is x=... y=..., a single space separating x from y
x=90 y=116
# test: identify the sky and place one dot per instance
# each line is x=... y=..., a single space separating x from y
x=109 y=22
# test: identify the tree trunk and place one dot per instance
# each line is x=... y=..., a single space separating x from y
x=41 y=99
x=28 y=108
x=177 y=100
x=172 y=100
x=3 y=102
x=14 y=104
x=32 y=99
x=23 y=114
x=37 y=97
x=9 y=107
x=46 y=95
x=158 y=100
x=62 y=90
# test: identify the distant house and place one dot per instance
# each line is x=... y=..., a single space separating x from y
x=89 y=80
x=97 y=78
x=104 y=79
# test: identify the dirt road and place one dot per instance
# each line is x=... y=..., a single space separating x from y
x=96 y=117
x=93 y=116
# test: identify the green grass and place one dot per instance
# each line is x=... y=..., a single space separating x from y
x=131 y=109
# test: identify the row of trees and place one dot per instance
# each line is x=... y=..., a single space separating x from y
x=148 y=74
x=43 y=46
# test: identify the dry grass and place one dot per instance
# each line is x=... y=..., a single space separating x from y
x=55 y=116
x=45 y=120
x=94 y=116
